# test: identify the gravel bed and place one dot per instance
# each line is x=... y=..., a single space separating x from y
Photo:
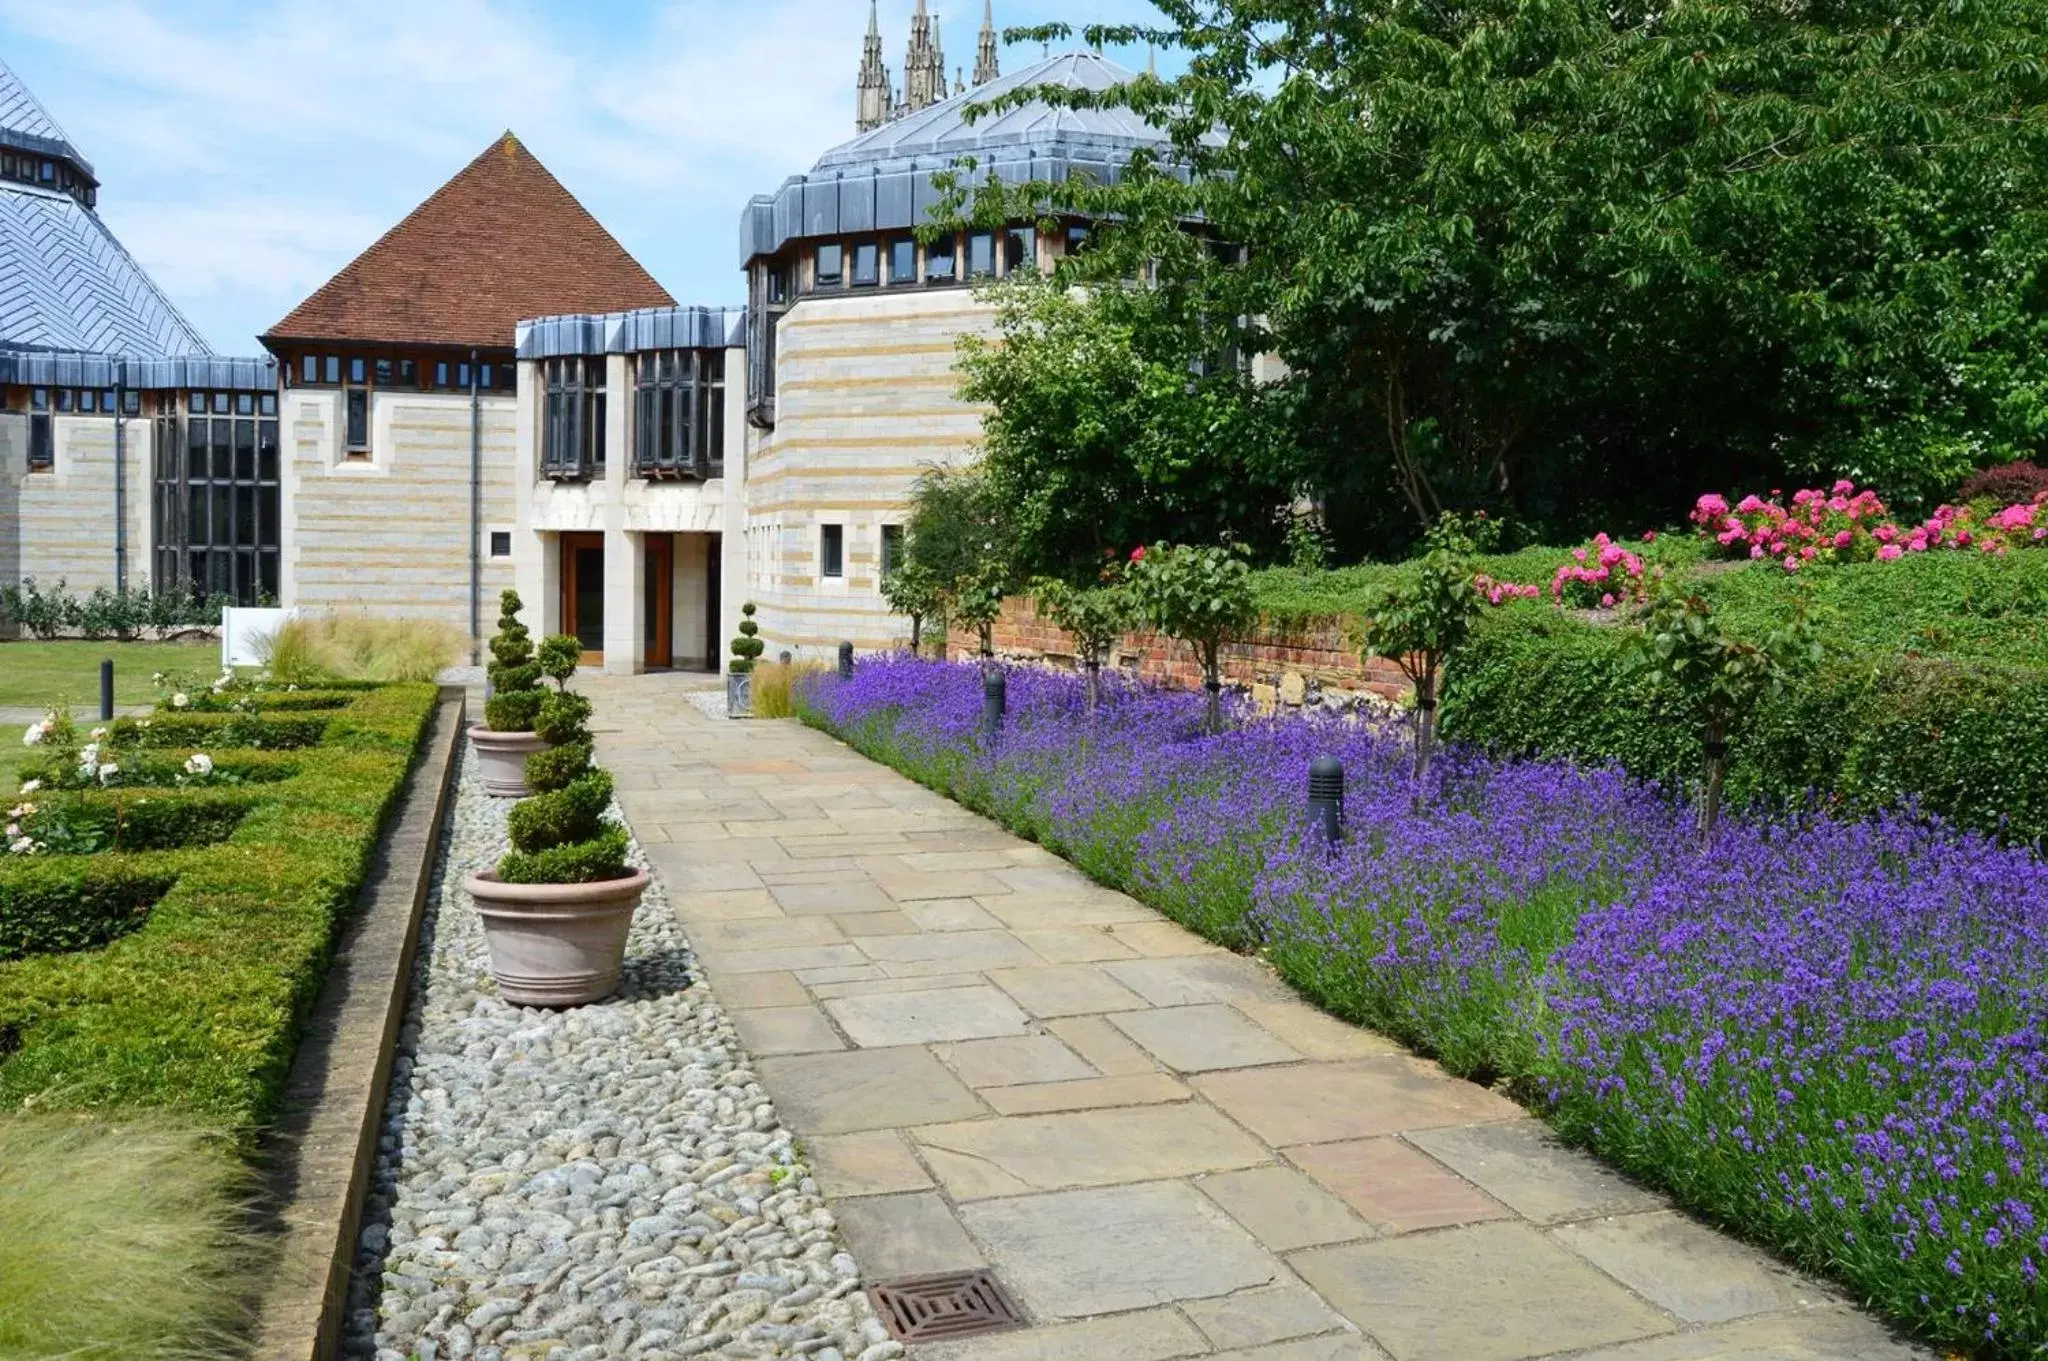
x=607 y=1181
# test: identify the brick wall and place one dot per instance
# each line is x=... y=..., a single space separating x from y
x=1289 y=659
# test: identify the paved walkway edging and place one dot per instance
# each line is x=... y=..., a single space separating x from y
x=316 y=1163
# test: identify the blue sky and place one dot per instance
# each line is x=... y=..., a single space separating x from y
x=249 y=150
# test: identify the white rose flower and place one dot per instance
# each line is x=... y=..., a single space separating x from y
x=180 y=700
x=97 y=733
x=108 y=772
x=34 y=734
x=90 y=755
x=199 y=763
x=21 y=846
x=31 y=786
x=13 y=830
x=21 y=810
x=156 y=678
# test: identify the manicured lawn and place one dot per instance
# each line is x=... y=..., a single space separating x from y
x=11 y=752
x=69 y=672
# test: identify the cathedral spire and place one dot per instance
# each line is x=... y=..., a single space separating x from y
x=986 y=67
x=873 y=95
x=924 y=63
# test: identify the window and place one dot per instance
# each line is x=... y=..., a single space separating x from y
x=67 y=399
x=903 y=260
x=355 y=410
x=331 y=368
x=501 y=543
x=408 y=373
x=981 y=254
x=679 y=413
x=1020 y=249
x=216 y=503
x=777 y=280
x=441 y=374
x=131 y=402
x=42 y=446
x=832 y=550
x=831 y=267
x=384 y=373
x=572 y=428
x=892 y=550
x=1077 y=239
x=939 y=265
x=867 y=264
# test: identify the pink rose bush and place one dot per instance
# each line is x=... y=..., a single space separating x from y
x=1600 y=576
x=1844 y=524
x=1498 y=592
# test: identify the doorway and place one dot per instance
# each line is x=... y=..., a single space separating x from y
x=583 y=593
x=659 y=626
x=713 y=554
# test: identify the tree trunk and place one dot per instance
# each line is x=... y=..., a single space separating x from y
x=988 y=641
x=1716 y=771
x=917 y=635
x=1212 y=684
x=1094 y=681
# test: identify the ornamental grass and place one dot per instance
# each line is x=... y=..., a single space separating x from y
x=1824 y=1033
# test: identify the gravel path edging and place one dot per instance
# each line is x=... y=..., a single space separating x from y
x=605 y=1182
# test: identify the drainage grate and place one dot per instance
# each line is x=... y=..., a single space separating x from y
x=956 y=1304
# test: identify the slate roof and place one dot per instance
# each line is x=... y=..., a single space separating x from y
x=501 y=241
x=26 y=124
x=66 y=284
x=882 y=180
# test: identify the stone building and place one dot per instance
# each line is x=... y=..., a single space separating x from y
x=496 y=393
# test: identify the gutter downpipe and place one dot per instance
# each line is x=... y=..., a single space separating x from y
x=476 y=513
x=121 y=476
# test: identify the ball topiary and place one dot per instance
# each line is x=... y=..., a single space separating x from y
x=748 y=647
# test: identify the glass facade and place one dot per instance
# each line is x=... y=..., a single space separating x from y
x=216 y=502
x=679 y=413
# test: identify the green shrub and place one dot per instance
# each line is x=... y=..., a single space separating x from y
x=514 y=673
x=1964 y=737
x=86 y=823
x=513 y=710
x=205 y=732
x=48 y=906
x=362 y=646
x=747 y=647
x=267 y=700
x=602 y=857
x=575 y=812
x=562 y=716
x=557 y=766
x=199 y=1010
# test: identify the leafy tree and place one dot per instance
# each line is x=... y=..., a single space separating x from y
x=1421 y=619
x=960 y=540
x=1722 y=677
x=1114 y=418
x=1200 y=595
x=914 y=589
x=1094 y=616
x=1576 y=260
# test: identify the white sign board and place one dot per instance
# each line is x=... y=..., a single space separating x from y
x=245 y=633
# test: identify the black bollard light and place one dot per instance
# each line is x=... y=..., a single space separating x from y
x=785 y=656
x=1326 y=797
x=107 y=690
x=845 y=661
x=993 y=691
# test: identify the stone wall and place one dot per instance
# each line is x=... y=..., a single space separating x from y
x=63 y=520
x=391 y=533
x=1287 y=664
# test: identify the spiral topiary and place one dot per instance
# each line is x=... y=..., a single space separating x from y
x=515 y=673
x=560 y=834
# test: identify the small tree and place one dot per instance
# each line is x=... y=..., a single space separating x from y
x=747 y=647
x=1721 y=678
x=1095 y=617
x=1419 y=620
x=913 y=589
x=514 y=673
x=976 y=600
x=1200 y=595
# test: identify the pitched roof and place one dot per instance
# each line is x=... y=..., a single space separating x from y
x=27 y=126
x=500 y=242
x=66 y=284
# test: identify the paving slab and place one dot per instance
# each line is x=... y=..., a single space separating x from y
x=761 y=990
x=1076 y=1253
x=857 y=895
x=1317 y=1034
x=1005 y=1156
x=1198 y=978
x=1201 y=1038
x=1065 y=990
x=1396 y=1188
x=1336 y=1347
x=950 y=951
x=1492 y=1292
x=950 y=914
x=865 y=1089
x=1014 y=1062
x=1134 y=1089
x=1283 y=1209
x=1148 y=1335
x=1102 y=1044
x=1264 y=1314
x=1686 y=1268
x=1075 y=945
x=870 y=1163
x=1524 y=1165
x=786 y=1030
x=1323 y=1102
x=907 y=1235
x=881 y=1020
x=1835 y=1335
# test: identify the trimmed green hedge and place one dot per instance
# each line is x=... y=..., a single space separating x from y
x=75 y=903
x=147 y=819
x=269 y=701
x=204 y=732
x=1967 y=737
x=199 y=1010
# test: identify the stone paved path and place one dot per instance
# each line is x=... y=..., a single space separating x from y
x=993 y=1061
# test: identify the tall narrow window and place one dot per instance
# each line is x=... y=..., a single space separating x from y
x=1020 y=249
x=832 y=550
x=572 y=428
x=831 y=266
x=867 y=264
x=940 y=265
x=902 y=261
x=981 y=254
x=42 y=440
x=679 y=413
x=355 y=409
x=892 y=550
x=217 y=492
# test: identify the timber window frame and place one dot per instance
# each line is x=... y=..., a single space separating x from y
x=832 y=551
x=679 y=413
x=42 y=437
x=572 y=418
x=218 y=493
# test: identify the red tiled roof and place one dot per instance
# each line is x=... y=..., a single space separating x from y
x=500 y=242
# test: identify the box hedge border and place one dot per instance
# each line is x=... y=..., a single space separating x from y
x=1962 y=737
x=199 y=1010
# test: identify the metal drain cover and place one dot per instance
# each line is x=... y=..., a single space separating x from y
x=955 y=1304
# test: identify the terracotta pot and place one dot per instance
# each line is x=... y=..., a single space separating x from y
x=556 y=945
x=501 y=759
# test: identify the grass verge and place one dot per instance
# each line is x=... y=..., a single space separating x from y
x=40 y=674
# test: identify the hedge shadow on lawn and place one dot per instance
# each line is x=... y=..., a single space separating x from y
x=77 y=903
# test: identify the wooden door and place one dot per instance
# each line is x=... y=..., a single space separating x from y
x=583 y=593
x=659 y=626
